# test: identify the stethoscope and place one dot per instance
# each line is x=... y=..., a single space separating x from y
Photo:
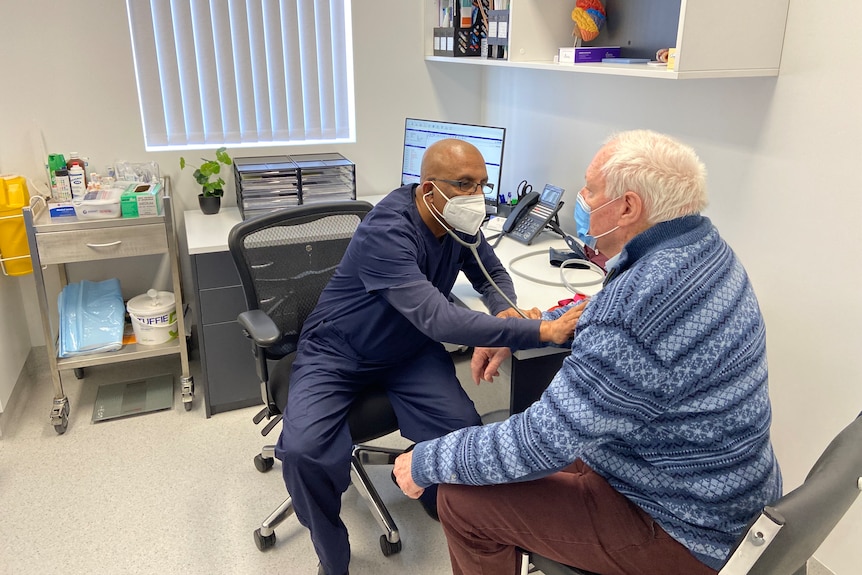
x=472 y=247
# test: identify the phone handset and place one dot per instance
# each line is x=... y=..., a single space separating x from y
x=520 y=211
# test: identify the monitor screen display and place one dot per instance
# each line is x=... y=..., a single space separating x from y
x=419 y=134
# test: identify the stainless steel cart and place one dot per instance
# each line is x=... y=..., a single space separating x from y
x=58 y=241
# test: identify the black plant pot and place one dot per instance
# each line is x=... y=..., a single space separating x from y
x=209 y=204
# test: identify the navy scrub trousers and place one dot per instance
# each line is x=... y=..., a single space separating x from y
x=315 y=443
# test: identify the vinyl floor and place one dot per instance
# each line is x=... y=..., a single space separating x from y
x=173 y=492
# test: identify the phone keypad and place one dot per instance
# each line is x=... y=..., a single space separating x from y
x=527 y=227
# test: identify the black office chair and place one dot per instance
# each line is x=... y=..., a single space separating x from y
x=285 y=259
x=788 y=532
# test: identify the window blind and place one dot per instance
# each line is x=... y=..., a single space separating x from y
x=243 y=72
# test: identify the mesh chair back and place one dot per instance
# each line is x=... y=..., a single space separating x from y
x=286 y=258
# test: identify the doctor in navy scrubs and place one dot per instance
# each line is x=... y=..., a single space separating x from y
x=381 y=319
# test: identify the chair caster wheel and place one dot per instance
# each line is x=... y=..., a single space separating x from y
x=263 y=542
x=263 y=464
x=389 y=548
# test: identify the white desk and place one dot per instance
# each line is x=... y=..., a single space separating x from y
x=530 y=370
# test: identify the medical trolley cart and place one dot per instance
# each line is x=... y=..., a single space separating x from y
x=58 y=241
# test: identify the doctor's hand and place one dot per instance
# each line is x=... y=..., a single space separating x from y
x=561 y=329
x=486 y=362
x=404 y=477
x=534 y=313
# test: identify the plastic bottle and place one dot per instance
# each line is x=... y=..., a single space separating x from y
x=76 y=160
x=63 y=187
x=78 y=181
x=55 y=162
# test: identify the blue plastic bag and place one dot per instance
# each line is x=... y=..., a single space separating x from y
x=91 y=317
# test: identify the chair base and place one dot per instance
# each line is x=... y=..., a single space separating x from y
x=390 y=541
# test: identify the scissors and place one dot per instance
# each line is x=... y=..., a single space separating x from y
x=523 y=189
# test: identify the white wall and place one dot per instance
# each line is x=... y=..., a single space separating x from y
x=71 y=80
x=781 y=152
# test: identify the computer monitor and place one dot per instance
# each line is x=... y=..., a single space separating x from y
x=419 y=134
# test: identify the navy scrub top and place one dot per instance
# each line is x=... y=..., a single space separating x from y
x=389 y=295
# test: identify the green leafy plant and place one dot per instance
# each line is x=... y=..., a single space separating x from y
x=207 y=174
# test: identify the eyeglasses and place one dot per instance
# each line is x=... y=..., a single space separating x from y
x=468 y=187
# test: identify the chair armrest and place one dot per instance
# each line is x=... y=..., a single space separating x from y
x=259 y=327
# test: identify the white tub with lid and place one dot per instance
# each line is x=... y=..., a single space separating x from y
x=154 y=317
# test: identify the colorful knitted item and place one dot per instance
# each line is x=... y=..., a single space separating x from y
x=589 y=17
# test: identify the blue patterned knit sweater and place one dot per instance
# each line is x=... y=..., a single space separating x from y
x=664 y=394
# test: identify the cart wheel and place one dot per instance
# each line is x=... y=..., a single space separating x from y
x=389 y=548
x=61 y=427
x=263 y=542
x=188 y=392
x=60 y=414
x=263 y=464
x=79 y=372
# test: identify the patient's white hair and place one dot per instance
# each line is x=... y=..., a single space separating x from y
x=665 y=173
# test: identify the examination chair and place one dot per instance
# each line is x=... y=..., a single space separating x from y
x=285 y=259
x=787 y=533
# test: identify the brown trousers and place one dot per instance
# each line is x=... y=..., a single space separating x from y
x=574 y=517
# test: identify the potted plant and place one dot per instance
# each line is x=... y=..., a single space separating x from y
x=207 y=175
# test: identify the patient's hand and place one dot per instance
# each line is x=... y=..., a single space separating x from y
x=486 y=362
x=562 y=329
x=403 y=475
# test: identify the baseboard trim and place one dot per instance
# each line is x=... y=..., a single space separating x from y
x=815 y=567
x=35 y=363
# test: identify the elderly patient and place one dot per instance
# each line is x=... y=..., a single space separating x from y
x=649 y=452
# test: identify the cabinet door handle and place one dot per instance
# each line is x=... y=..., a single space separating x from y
x=116 y=243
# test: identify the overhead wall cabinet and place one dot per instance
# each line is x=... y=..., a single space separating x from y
x=726 y=39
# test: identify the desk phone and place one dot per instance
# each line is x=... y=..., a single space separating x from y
x=530 y=216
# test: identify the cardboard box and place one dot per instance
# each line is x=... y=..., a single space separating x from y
x=498 y=33
x=98 y=204
x=140 y=199
x=671 y=59
x=469 y=28
x=444 y=41
x=587 y=54
x=60 y=208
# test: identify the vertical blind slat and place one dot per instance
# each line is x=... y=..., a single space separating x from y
x=215 y=72
x=308 y=65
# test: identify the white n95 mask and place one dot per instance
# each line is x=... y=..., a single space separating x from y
x=464 y=213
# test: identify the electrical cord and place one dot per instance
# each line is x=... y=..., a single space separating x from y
x=571 y=286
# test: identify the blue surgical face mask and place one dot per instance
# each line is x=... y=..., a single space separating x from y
x=582 y=221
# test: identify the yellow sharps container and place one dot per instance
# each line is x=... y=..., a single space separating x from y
x=14 y=250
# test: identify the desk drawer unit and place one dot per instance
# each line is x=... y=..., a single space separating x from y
x=101 y=243
x=227 y=363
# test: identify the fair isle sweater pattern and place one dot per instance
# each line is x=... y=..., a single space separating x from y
x=664 y=394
